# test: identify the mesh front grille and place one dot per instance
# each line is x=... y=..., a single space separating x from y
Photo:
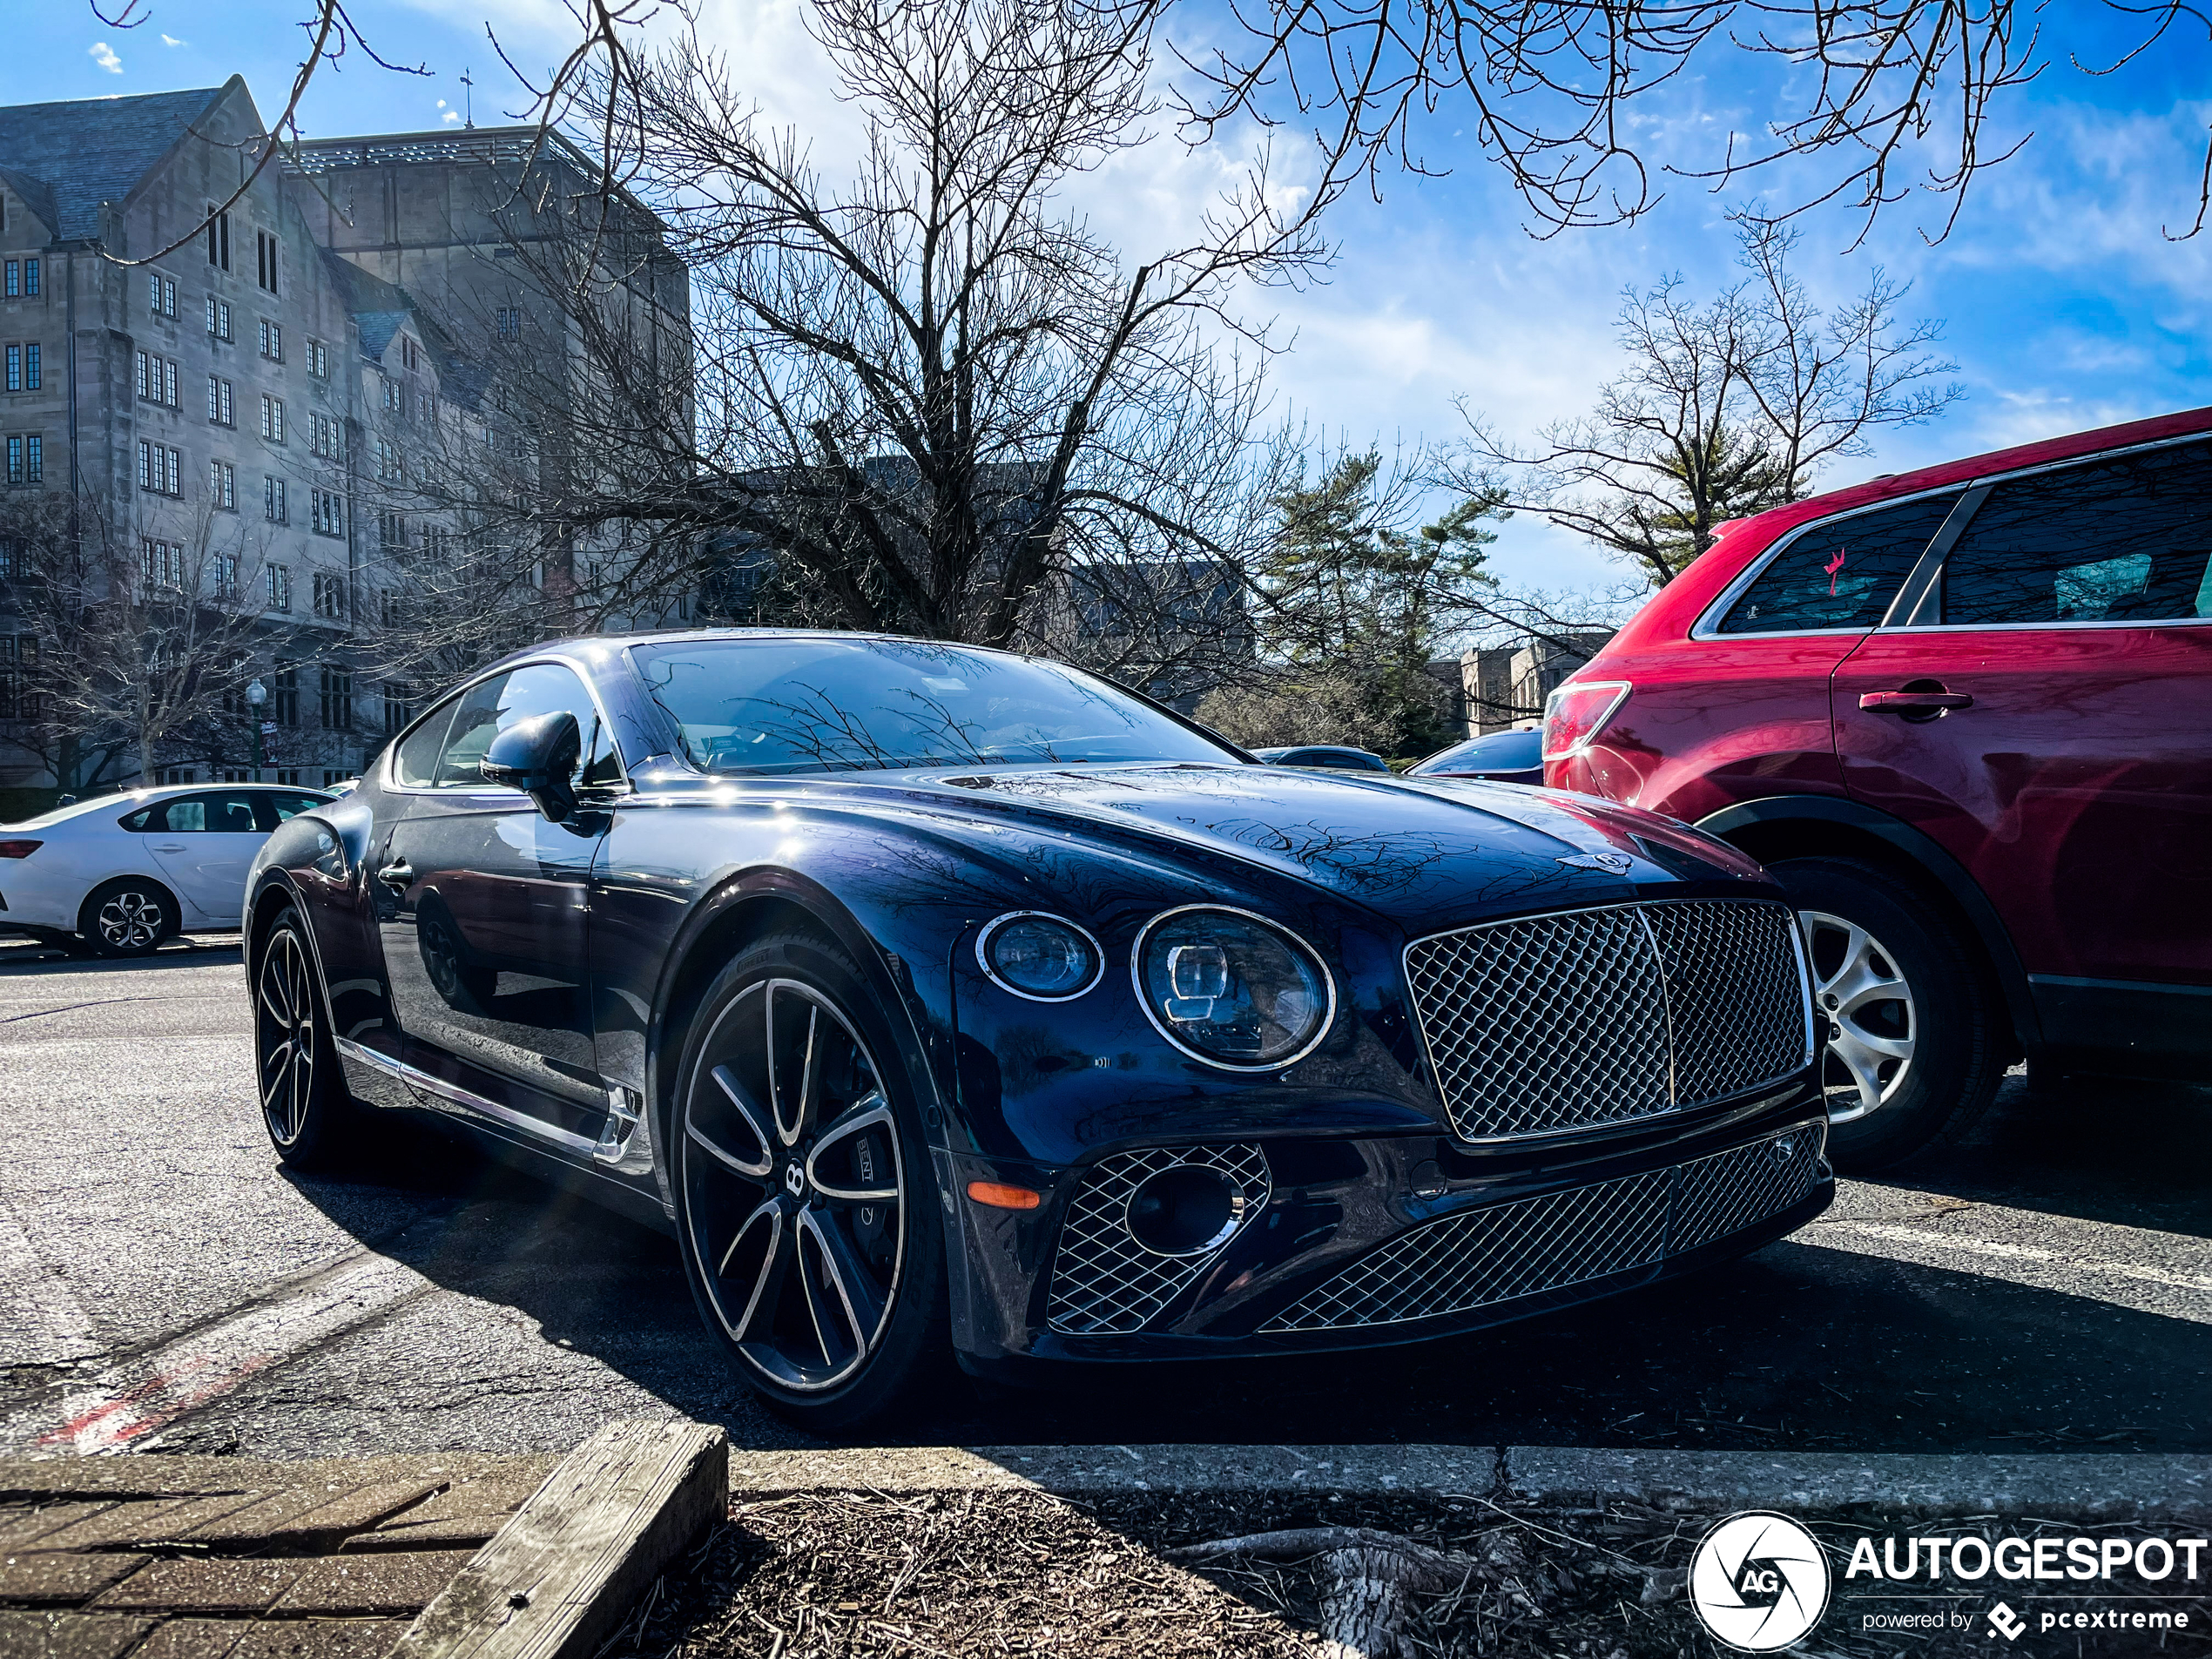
x=1600 y=1017
x=1482 y=1256
x=1105 y=1282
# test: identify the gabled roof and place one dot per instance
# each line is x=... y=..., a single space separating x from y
x=380 y=310
x=90 y=150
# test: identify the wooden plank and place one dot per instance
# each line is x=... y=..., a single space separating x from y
x=560 y=1575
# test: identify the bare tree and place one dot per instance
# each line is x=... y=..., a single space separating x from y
x=930 y=397
x=1726 y=408
x=141 y=639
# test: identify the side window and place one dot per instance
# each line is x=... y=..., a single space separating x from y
x=1842 y=574
x=490 y=708
x=279 y=807
x=140 y=821
x=2126 y=539
x=416 y=762
x=228 y=814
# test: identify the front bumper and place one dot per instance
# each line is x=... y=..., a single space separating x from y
x=1366 y=1242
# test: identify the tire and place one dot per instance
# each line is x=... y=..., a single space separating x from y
x=830 y=1305
x=129 y=916
x=1909 y=1058
x=461 y=983
x=310 y=1118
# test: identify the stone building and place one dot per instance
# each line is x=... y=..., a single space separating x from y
x=1504 y=686
x=244 y=395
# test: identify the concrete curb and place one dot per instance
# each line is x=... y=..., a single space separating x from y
x=2120 y=1487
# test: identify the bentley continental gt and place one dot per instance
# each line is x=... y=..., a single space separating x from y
x=933 y=997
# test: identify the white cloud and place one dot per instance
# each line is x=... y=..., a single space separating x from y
x=102 y=54
x=451 y=115
x=171 y=40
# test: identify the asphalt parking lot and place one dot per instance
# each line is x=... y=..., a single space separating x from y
x=165 y=1285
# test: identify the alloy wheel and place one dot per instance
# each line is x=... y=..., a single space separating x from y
x=284 y=1019
x=132 y=919
x=795 y=1186
x=1866 y=1009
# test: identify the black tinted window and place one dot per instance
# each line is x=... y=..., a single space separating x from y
x=790 y=706
x=1842 y=574
x=416 y=761
x=282 y=806
x=2121 y=540
x=1499 y=752
x=228 y=814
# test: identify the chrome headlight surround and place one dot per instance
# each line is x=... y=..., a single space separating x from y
x=1324 y=982
x=998 y=925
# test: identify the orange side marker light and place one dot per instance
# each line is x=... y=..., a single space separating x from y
x=1000 y=1196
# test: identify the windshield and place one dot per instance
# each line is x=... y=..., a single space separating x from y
x=787 y=705
x=1499 y=752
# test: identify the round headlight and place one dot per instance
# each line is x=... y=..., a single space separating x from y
x=1040 y=957
x=1231 y=989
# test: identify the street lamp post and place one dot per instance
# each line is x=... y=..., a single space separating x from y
x=256 y=695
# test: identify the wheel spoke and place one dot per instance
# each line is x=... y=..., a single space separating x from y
x=273 y=1062
x=765 y=1293
x=857 y=1300
x=872 y=1111
x=759 y=1160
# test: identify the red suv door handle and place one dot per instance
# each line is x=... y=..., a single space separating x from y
x=1914 y=702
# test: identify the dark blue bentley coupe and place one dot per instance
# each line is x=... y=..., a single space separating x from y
x=932 y=995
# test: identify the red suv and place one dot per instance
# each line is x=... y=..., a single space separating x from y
x=1964 y=715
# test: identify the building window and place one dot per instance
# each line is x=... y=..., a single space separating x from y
x=437 y=541
x=337 y=700
x=425 y=407
x=410 y=359
x=161 y=294
x=322 y=435
x=26 y=458
x=218 y=401
x=224 y=572
x=391 y=404
x=22 y=279
x=178 y=775
x=326 y=512
x=330 y=596
x=155 y=377
x=510 y=322
x=272 y=340
x=265 y=260
x=389 y=465
x=288 y=775
x=23 y=372
x=218 y=240
x=273 y=419
x=388 y=604
x=279 y=579
x=161 y=469
x=30 y=279
x=222 y=486
x=391 y=532
x=399 y=708
x=284 y=696
x=18 y=670
x=272 y=502
x=13 y=285
x=161 y=563
x=319 y=360
x=218 y=317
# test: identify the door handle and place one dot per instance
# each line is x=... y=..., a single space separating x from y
x=400 y=875
x=171 y=848
x=1914 y=702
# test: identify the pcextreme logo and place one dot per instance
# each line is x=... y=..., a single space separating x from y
x=1758 y=1581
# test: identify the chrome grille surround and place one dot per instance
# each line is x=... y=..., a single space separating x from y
x=1106 y=1284
x=1528 y=1245
x=1542 y=1025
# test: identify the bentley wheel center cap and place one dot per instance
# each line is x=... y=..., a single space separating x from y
x=794 y=1179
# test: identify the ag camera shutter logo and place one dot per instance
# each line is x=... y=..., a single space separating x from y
x=1758 y=1581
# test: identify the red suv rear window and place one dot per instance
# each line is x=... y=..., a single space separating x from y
x=1842 y=572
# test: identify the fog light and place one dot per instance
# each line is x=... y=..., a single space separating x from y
x=1186 y=1210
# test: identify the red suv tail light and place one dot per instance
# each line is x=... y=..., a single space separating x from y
x=19 y=849
x=1577 y=712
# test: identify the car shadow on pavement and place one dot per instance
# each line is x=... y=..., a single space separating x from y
x=1803 y=1345
x=27 y=956
x=2115 y=1150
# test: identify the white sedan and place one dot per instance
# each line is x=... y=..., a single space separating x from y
x=123 y=873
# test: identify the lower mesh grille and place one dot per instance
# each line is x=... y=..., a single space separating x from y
x=1480 y=1256
x=1103 y=1282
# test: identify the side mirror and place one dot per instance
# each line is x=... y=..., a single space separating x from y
x=538 y=756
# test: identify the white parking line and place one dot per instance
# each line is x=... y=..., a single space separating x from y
x=2032 y=1264
x=127 y=1402
x=42 y=1323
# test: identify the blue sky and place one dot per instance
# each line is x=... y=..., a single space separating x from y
x=2063 y=303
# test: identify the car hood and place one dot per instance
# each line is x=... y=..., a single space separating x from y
x=1423 y=852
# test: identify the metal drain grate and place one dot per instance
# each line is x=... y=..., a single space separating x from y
x=1105 y=1283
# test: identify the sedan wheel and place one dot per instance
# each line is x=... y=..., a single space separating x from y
x=129 y=917
x=310 y=1116
x=804 y=1199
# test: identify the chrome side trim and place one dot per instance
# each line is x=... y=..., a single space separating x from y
x=414 y=1076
